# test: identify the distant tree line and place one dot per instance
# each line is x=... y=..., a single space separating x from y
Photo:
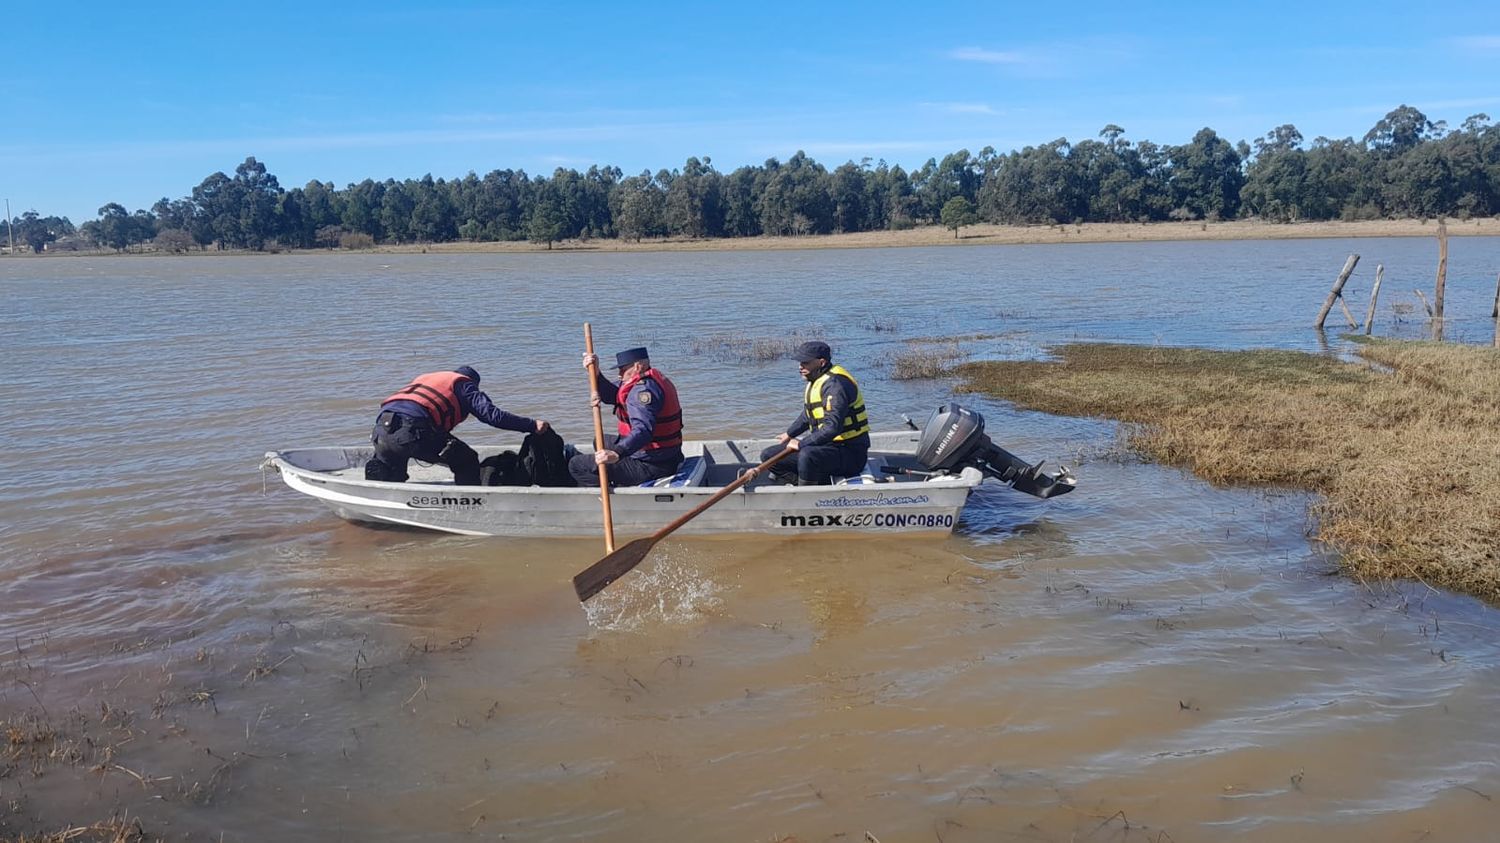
x=35 y=231
x=1406 y=166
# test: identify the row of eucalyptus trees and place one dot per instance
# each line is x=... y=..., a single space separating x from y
x=1405 y=166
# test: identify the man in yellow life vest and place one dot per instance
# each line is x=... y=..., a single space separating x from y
x=832 y=435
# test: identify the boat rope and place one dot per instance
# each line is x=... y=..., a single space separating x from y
x=265 y=464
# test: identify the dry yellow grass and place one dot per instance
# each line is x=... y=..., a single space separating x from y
x=113 y=830
x=986 y=234
x=1404 y=449
x=33 y=746
x=923 y=360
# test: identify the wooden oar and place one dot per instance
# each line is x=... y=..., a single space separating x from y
x=597 y=577
x=609 y=519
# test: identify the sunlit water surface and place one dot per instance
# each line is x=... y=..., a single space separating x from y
x=1150 y=658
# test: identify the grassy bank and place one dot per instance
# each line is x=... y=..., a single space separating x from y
x=986 y=234
x=974 y=235
x=1404 y=447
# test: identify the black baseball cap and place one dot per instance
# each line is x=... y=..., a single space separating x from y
x=812 y=350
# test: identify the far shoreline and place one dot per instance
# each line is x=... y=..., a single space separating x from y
x=986 y=234
x=983 y=234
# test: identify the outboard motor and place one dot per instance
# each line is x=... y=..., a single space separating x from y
x=954 y=437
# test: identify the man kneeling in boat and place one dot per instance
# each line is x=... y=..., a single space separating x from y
x=649 y=443
x=417 y=423
x=832 y=435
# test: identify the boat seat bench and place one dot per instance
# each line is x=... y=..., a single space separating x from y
x=871 y=474
x=690 y=473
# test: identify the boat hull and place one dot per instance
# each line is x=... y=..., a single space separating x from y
x=335 y=476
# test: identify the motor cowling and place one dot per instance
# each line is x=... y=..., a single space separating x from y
x=954 y=437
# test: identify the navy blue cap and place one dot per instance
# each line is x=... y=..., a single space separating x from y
x=630 y=355
x=469 y=372
x=812 y=350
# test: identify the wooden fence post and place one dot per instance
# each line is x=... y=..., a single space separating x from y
x=1338 y=287
x=1425 y=306
x=1347 y=315
x=1375 y=294
x=1495 y=311
x=1442 y=275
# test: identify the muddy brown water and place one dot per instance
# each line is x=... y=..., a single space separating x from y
x=1150 y=658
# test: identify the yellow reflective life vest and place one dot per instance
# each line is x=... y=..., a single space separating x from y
x=855 y=423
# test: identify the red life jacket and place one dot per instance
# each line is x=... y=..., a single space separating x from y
x=668 y=430
x=437 y=393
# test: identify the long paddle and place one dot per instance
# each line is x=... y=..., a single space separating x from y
x=597 y=577
x=609 y=519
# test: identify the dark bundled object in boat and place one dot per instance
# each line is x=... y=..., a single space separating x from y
x=541 y=462
x=503 y=469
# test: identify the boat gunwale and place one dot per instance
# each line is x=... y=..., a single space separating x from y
x=967 y=478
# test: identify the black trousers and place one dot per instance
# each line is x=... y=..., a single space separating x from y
x=627 y=472
x=815 y=465
x=399 y=438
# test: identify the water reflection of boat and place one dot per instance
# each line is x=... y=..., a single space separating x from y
x=913 y=482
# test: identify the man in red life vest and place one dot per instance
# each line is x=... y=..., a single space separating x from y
x=417 y=423
x=648 y=445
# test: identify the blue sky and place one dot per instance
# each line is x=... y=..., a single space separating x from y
x=129 y=103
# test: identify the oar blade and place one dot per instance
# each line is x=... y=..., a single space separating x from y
x=597 y=577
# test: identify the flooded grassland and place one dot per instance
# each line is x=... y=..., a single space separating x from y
x=193 y=652
x=1401 y=444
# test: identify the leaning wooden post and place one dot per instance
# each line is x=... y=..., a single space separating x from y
x=1425 y=306
x=1495 y=311
x=1347 y=315
x=1442 y=276
x=1375 y=294
x=1338 y=287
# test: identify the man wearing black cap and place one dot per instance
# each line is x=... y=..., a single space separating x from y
x=648 y=445
x=417 y=422
x=832 y=435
